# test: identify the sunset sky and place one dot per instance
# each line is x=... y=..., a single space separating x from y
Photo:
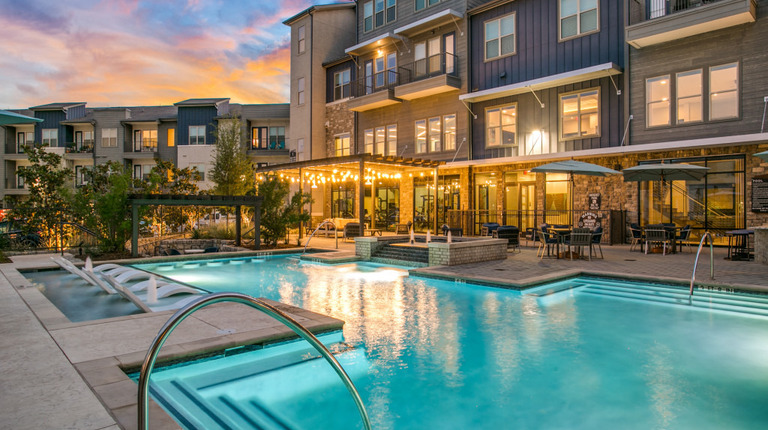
x=142 y=52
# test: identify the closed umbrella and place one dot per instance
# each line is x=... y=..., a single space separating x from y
x=664 y=172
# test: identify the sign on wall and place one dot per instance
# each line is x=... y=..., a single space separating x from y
x=593 y=201
x=760 y=194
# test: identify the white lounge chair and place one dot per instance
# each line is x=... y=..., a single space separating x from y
x=133 y=298
x=85 y=275
x=164 y=289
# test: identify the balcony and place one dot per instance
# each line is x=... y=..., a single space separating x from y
x=78 y=150
x=429 y=76
x=142 y=151
x=15 y=185
x=668 y=20
x=373 y=92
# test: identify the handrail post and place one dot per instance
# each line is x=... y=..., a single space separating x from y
x=711 y=259
x=318 y=228
x=183 y=313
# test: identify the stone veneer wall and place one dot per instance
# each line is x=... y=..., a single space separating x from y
x=339 y=120
x=761 y=245
x=365 y=247
x=465 y=252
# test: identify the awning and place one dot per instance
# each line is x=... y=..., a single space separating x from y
x=435 y=20
x=371 y=44
x=585 y=74
x=8 y=118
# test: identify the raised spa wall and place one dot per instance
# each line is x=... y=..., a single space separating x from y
x=461 y=250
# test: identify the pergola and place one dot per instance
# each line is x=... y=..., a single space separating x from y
x=363 y=169
x=138 y=200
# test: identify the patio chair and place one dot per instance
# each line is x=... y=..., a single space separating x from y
x=637 y=237
x=530 y=235
x=580 y=238
x=401 y=229
x=87 y=276
x=546 y=241
x=656 y=235
x=597 y=237
x=488 y=228
x=211 y=249
x=352 y=230
x=511 y=233
x=684 y=237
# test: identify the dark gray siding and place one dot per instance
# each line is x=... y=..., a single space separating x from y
x=52 y=119
x=165 y=152
x=539 y=52
x=329 y=72
x=745 y=44
x=532 y=117
x=76 y=112
x=198 y=115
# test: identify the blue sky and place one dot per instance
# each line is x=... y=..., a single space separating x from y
x=137 y=52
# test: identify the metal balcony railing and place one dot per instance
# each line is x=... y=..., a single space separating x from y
x=380 y=81
x=435 y=65
x=659 y=8
x=79 y=148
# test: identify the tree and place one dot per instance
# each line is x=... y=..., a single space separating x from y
x=278 y=213
x=232 y=170
x=46 y=206
x=166 y=178
x=102 y=204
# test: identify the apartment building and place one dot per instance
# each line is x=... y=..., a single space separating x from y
x=138 y=136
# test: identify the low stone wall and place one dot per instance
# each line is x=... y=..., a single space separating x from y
x=468 y=251
x=761 y=245
x=184 y=244
x=366 y=246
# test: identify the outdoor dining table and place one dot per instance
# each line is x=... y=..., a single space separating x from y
x=738 y=244
x=562 y=237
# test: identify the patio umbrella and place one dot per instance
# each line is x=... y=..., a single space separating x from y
x=762 y=155
x=664 y=172
x=7 y=117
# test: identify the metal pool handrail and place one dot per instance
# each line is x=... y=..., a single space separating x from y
x=183 y=313
x=318 y=228
x=711 y=259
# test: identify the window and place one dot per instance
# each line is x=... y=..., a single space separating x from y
x=724 y=91
x=689 y=98
x=83 y=140
x=449 y=132
x=433 y=134
x=302 y=39
x=145 y=140
x=368 y=16
x=379 y=12
x=276 y=137
x=259 y=137
x=341 y=145
x=300 y=99
x=200 y=169
x=197 y=135
x=51 y=137
x=391 y=10
x=24 y=138
x=171 y=137
x=657 y=101
x=427 y=57
x=577 y=17
x=421 y=136
x=500 y=37
x=421 y=4
x=141 y=172
x=368 y=140
x=579 y=115
x=341 y=85
x=501 y=126
x=109 y=138
x=392 y=140
x=386 y=70
x=381 y=142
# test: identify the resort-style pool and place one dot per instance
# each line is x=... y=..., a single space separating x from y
x=579 y=354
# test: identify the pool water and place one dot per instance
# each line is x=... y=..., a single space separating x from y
x=437 y=354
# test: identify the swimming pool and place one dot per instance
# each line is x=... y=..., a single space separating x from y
x=436 y=354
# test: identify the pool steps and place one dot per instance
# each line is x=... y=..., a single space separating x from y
x=712 y=300
x=231 y=390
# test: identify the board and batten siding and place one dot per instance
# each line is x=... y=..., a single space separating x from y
x=198 y=115
x=539 y=52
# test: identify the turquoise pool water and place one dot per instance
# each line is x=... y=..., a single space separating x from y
x=435 y=354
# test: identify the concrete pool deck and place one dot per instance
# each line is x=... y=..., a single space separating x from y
x=57 y=374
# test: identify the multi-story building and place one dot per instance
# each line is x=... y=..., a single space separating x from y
x=139 y=136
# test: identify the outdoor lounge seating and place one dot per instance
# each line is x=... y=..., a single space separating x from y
x=84 y=274
x=133 y=298
x=578 y=239
x=684 y=238
x=657 y=235
x=638 y=239
x=597 y=237
x=511 y=233
x=546 y=241
x=164 y=289
x=488 y=228
x=352 y=230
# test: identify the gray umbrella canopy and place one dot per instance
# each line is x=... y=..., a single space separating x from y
x=762 y=155
x=664 y=172
x=574 y=167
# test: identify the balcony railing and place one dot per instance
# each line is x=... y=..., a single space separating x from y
x=659 y=8
x=14 y=184
x=435 y=65
x=380 y=81
x=79 y=148
x=145 y=147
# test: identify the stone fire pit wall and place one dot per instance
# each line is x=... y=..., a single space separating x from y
x=462 y=250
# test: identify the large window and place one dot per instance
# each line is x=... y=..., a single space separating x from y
x=259 y=137
x=276 y=137
x=501 y=126
x=391 y=140
x=197 y=135
x=421 y=4
x=657 y=99
x=378 y=12
x=381 y=140
x=580 y=115
x=341 y=86
x=343 y=200
x=421 y=136
x=51 y=137
x=171 y=137
x=302 y=39
x=449 y=132
x=109 y=137
x=341 y=145
x=145 y=140
x=436 y=134
x=300 y=93
x=386 y=70
x=578 y=17
x=724 y=91
x=689 y=102
x=368 y=141
x=500 y=37
x=434 y=131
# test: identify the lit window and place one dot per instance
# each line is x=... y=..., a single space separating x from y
x=301 y=91
x=500 y=37
x=434 y=134
x=342 y=145
x=260 y=138
x=109 y=137
x=578 y=17
x=171 y=137
x=421 y=136
x=724 y=91
x=580 y=115
x=302 y=39
x=51 y=137
x=197 y=135
x=341 y=85
x=501 y=126
x=381 y=142
x=689 y=98
x=657 y=101
x=276 y=137
x=449 y=132
x=392 y=140
x=368 y=140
